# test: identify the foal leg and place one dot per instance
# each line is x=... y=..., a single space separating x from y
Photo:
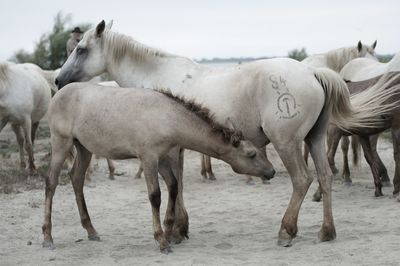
x=20 y=139
x=291 y=155
x=150 y=168
x=81 y=164
x=181 y=225
x=172 y=185
x=111 y=169
x=382 y=169
x=209 y=170
x=368 y=154
x=346 y=170
x=60 y=148
x=27 y=127
x=139 y=172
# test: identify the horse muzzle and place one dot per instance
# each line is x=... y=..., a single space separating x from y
x=269 y=175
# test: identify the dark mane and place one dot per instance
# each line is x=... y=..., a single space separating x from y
x=228 y=135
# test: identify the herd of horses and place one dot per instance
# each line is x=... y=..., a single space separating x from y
x=167 y=103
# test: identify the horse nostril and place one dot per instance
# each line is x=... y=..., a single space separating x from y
x=56 y=81
x=273 y=173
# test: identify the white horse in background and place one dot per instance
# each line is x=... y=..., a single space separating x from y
x=336 y=60
x=277 y=100
x=25 y=94
x=365 y=68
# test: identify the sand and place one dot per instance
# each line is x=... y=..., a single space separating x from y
x=231 y=223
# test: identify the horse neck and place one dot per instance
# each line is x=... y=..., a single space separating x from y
x=153 y=71
x=337 y=59
x=394 y=64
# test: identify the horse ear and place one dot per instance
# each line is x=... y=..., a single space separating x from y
x=109 y=25
x=359 y=46
x=374 y=44
x=100 y=28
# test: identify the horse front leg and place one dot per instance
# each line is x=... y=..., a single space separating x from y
x=27 y=128
x=172 y=185
x=111 y=169
x=368 y=154
x=150 y=169
x=60 y=148
x=333 y=138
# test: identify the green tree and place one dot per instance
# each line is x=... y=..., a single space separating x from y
x=297 y=54
x=50 y=51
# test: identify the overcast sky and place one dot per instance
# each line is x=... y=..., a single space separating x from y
x=215 y=28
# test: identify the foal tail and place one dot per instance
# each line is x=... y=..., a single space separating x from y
x=366 y=109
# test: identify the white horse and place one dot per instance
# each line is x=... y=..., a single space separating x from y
x=24 y=97
x=336 y=60
x=365 y=68
x=278 y=100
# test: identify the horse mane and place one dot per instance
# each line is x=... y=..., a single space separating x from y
x=4 y=68
x=121 y=46
x=228 y=135
x=336 y=59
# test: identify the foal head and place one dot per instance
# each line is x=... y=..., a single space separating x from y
x=88 y=58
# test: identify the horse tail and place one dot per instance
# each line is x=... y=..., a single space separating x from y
x=366 y=109
x=356 y=147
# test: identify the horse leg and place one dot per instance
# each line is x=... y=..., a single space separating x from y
x=139 y=172
x=334 y=136
x=291 y=155
x=20 y=139
x=150 y=168
x=209 y=170
x=316 y=142
x=33 y=131
x=382 y=169
x=306 y=153
x=368 y=154
x=172 y=185
x=81 y=164
x=396 y=155
x=27 y=128
x=346 y=170
x=203 y=170
x=111 y=169
x=181 y=225
x=60 y=148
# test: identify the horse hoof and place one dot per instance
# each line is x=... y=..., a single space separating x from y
x=48 y=244
x=111 y=177
x=212 y=177
x=266 y=182
x=166 y=250
x=347 y=183
x=284 y=242
x=316 y=198
x=378 y=193
x=327 y=234
x=386 y=184
x=94 y=237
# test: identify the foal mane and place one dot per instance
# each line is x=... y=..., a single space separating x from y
x=121 y=46
x=228 y=135
x=336 y=59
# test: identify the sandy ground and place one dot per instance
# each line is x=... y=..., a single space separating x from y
x=231 y=223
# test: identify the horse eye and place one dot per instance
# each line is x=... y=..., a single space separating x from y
x=80 y=50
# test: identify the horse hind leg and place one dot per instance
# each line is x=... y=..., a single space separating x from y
x=345 y=150
x=374 y=165
x=27 y=128
x=60 y=148
x=111 y=169
x=139 y=172
x=382 y=169
x=20 y=140
x=78 y=176
x=291 y=155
